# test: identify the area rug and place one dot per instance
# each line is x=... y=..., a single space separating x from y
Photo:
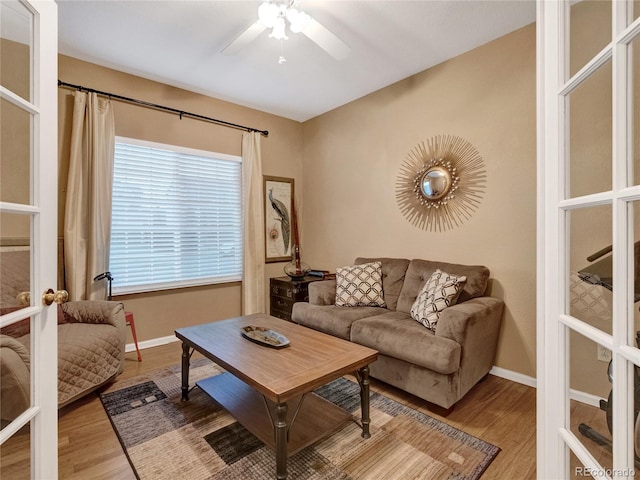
x=165 y=438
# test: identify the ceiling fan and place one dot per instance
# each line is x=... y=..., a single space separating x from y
x=276 y=15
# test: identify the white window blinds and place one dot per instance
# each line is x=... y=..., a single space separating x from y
x=176 y=218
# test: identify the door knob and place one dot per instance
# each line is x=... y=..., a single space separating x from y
x=24 y=298
x=49 y=296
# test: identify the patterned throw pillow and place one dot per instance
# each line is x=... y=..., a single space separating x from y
x=360 y=286
x=440 y=291
x=589 y=300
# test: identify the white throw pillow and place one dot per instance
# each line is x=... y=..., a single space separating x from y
x=360 y=286
x=439 y=292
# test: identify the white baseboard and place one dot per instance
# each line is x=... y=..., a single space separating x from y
x=130 y=347
x=577 y=395
x=587 y=398
x=513 y=376
x=583 y=397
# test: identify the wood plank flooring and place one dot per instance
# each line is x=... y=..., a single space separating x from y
x=497 y=410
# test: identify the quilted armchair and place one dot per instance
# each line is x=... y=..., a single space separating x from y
x=91 y=341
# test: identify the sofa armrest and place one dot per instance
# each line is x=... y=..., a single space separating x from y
x=16 y=379
x=475 y=325
x=322 y=292
x=475 y=316
x=20 y=350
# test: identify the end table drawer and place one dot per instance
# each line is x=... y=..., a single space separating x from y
x=284 y=293
x=281 y=290
x=280 y=303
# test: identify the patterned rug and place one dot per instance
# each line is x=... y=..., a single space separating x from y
x=165 y=438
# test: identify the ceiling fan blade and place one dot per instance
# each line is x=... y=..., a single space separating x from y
x=326 y=40
x=245 y=38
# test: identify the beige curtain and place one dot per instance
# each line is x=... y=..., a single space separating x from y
x=253 y=286
x=87 y=221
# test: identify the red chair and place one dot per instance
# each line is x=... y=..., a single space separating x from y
x=129 y=317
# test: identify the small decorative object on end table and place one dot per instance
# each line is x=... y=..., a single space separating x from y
x=285 y=292
x=296 y=268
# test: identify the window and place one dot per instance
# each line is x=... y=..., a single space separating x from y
x=176 y=218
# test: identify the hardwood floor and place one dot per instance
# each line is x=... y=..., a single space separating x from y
x=497 y=410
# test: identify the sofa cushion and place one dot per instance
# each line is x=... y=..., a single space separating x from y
x=439 y=292
x=330 y=319
x=420 y=271
x=359 y=286
x=88 y=356
x=397 y=335
x=393 y=272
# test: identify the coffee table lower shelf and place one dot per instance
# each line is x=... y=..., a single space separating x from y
x=317 y=418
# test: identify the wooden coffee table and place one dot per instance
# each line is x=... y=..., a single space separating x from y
x=261 y=382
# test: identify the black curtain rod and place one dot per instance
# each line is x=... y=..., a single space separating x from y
x=181 y=113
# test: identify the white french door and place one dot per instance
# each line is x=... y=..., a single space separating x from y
x=588 y=237
x=28 y=224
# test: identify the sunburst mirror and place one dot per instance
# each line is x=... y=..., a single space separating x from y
x=441 y=183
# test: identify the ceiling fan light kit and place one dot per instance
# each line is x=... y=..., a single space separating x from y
x=272 y=15
x=275 y=15
x=279 y=31
x=298 y=21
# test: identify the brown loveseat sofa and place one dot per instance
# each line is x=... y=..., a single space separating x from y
x=91 y=343
x=441 y=366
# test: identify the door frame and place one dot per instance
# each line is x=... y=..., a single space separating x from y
x=555 y=441
x=42 y=416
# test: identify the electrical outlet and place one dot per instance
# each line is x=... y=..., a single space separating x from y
x=604 y=354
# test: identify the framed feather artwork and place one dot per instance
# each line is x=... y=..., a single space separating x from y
x=278 y=206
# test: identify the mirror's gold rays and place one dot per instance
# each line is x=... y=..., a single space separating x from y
x=464 y=190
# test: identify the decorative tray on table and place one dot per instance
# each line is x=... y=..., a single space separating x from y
x=264 y=336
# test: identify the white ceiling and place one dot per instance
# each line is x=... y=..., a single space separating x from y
x=179 y=43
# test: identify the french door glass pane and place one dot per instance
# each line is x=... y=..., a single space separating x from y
x=636 y=10
x=634 y=58
x=16 y=34
x=634 y=296
x=589 y=284
x=15 y=154
x=590 y=31
x=590 y=134
x=635 y=337
x=15 y=396
x=15 y=456
x=590 y=384
x=634 y=418
x=576 y=468
x=15 y=261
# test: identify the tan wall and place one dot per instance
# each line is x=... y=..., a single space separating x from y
x=158 y=314
x=353 y=154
